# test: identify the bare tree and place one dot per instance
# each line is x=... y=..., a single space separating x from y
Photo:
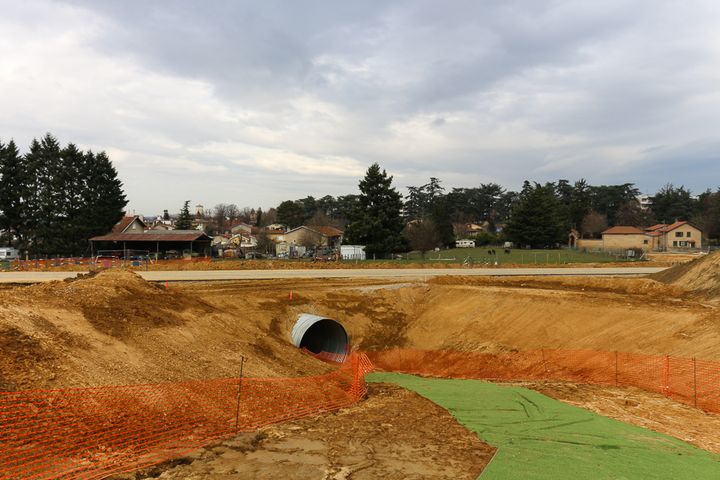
x=268 y=218
x=421 y=235
x=320 y=219
x=264 y=244
x=594 y=224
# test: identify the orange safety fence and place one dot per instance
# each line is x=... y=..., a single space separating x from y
x=90 y=433
x=687 y=380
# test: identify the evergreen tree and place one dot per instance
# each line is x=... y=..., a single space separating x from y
x=536 y=218
x=376 y=221
x=672 y=203
x=291 y=213
x=441 y=221
x=56 y=198
x=184 y=221
x=12 y=193
x=258 y=217
x=103 y=199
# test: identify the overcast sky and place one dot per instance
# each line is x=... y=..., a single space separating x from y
x=257 y=102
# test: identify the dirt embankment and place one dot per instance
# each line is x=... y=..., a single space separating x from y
x=115 y=328
x=496 y=315
x=701 y=277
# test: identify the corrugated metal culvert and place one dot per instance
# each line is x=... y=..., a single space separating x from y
x=319 y=334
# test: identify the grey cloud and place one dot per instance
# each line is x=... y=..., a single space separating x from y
x=472 y=91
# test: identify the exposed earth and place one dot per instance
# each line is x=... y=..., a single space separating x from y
x=115 y=328
x=395 y=434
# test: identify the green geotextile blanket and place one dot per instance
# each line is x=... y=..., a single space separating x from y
x=541 y=438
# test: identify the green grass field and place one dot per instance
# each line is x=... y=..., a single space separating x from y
x=516 y=256
x=539 y=438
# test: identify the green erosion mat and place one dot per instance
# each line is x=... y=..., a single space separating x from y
x=541 y=438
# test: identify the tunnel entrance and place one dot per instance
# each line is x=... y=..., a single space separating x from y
x=320 y=334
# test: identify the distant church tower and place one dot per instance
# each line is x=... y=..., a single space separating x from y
x=199 y=211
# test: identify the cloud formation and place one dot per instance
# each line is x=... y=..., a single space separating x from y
x=256 y=102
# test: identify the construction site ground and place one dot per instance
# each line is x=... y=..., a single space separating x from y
x=395 y=434
x=543 y=439
x=115 y=328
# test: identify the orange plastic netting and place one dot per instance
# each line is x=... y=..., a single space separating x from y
x=94 y=432
x=687 y=380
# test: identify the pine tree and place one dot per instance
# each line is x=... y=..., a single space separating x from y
x=376 y=222
x=442 y=222
x=291 y=214
x=102 y=200
x=536 y=218
x=184 y=221
x=12 y=191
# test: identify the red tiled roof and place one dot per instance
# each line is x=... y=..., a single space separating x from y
x=623 y=230
x=154 y=236
x=662 y=227
x=123 y=224
x=675 y=225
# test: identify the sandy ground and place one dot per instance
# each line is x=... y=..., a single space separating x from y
x=115 y=328
x=641 y=408
x=395 y=434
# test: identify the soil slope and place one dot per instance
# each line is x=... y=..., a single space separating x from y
x=701 y=276
x=115 y=328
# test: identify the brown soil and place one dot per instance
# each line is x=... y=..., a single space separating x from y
x=638 y=407
x=701 y=276
x=394 y=434
x=115 y=328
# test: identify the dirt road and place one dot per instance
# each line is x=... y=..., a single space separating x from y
x=410 y=273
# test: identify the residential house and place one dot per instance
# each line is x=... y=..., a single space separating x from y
x=130 y=224
x=315 y=236
x=621 y=238
x=469 y=229
x=242 y=228
x=680 y=235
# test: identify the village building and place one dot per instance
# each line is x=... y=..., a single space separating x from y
x=677 y=236
x=315 y=237
x=131 y=235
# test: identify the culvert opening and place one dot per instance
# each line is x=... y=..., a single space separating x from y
x=320 y=334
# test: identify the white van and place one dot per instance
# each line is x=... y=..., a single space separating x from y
x=9 y=253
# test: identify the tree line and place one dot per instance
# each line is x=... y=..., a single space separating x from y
x=54 y=198
x=539 y=215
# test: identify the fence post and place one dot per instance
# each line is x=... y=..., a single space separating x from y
x=695 y=381
x=616 y=368
x=237 y=409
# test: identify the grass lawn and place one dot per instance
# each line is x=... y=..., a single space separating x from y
x=540 y=438
x=480 y=255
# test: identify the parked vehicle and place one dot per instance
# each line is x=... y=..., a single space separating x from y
x=9 y=253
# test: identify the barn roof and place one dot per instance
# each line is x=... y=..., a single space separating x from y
x=155 y=236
